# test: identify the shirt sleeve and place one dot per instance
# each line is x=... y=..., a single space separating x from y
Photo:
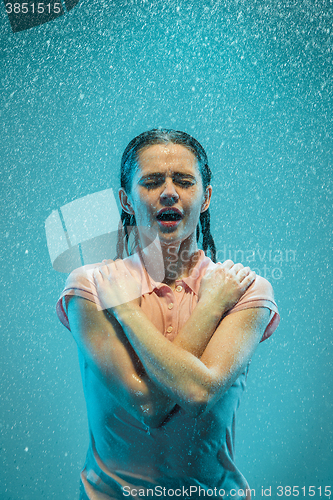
x=260 y=294
x=80 y=283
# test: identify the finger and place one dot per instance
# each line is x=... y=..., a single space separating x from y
x=243 y=272
x=107 y=266
x=97 y=275
x=107 y=262
x=107 y=270
x=227 y=264
x=237 y=267
x=104 y=271
x=118 y=264
x=248 y=280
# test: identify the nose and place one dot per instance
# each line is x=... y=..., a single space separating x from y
x=169 y=195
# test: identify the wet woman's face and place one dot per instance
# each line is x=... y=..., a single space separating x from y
x=167 y=194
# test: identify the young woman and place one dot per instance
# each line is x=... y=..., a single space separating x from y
x=165 y=335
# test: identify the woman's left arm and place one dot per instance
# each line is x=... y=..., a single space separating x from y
x=195 y=384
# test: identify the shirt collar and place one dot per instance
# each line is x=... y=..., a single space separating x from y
x=136 y=264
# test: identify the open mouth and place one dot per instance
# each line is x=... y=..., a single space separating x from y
x=169 y=217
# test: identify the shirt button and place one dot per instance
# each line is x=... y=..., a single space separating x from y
x=169 y=329
x=179 y=288
x=170 y=306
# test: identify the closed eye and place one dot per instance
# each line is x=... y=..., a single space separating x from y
x=151 y=183
x=185 y=183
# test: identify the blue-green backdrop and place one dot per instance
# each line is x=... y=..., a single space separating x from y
x=252 y=81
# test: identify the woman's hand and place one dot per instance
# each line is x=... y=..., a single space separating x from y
x=116 y=285
x=223 y=286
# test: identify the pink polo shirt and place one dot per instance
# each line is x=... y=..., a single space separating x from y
x=127 y=459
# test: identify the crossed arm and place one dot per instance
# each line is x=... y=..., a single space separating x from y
x=147 y=373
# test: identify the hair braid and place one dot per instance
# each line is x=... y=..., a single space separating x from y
x=126 y=221
x=207 y=238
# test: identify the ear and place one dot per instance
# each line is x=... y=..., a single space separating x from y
x=125 y=201
x=207 y=198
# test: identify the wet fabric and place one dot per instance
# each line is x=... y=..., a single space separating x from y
x=185 y=457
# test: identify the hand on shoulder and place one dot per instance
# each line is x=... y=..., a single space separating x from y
x=224 y=284
x=116 y=285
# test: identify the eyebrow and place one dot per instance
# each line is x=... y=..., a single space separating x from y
x=157 y=175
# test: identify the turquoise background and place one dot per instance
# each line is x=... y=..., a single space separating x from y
x=252 y=81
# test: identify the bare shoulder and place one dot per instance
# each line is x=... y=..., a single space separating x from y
x=253 y=317
x=81 y=307
x=248 y=320
x=84 y=317
x=96 y=333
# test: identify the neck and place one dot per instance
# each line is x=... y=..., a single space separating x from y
x=169 y=262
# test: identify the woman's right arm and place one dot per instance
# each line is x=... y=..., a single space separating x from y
x=112 y=359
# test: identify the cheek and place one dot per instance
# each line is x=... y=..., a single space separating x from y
x=144 y=197
x=140 y=201
x=195 y=199
x=143 y=209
